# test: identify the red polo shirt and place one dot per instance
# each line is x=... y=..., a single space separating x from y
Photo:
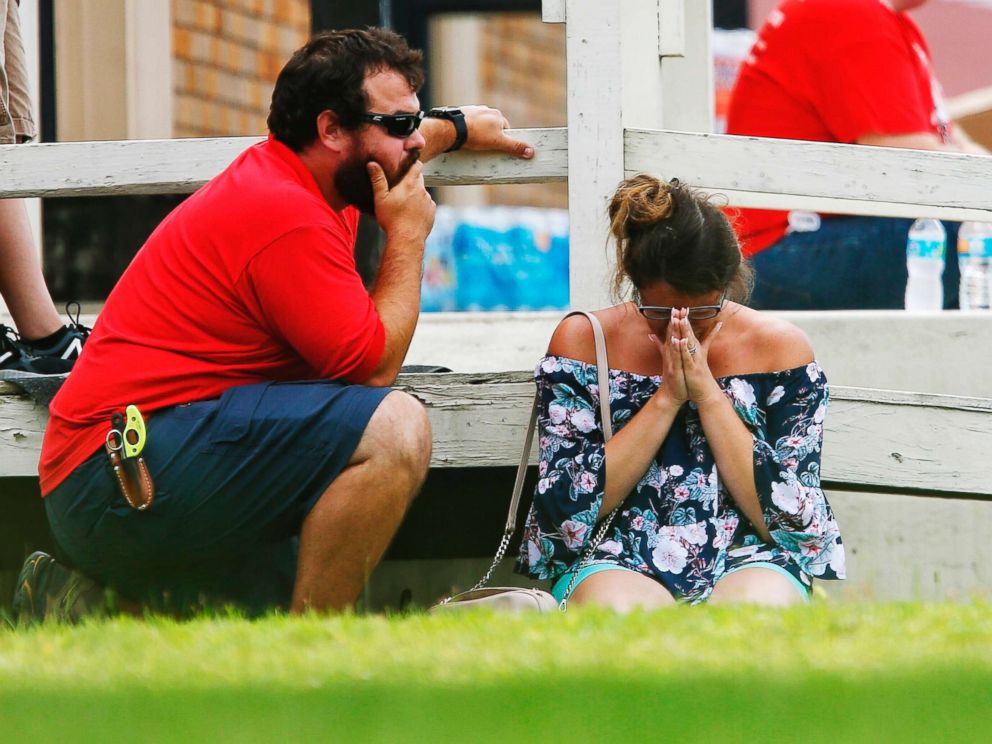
x=832 y=71
x=250 y=279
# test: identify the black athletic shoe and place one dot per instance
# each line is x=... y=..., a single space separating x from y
x=12 y=355
x=47 y=590
x=19 y=357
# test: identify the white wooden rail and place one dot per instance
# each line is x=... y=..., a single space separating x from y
x=750 y=171
x=183 y=165
x=881 y=448
x=819 y=176
x=636 y=73
x=875 y=438
x=856 y=348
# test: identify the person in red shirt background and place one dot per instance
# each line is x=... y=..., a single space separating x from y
x=243 y=332
x=848 y=71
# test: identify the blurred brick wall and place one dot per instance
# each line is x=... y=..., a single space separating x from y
x=523 y=75
x=226 y=56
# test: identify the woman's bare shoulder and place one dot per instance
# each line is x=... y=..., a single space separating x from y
x=574 y=339
x=777 y=343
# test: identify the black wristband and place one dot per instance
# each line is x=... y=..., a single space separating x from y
x=456 y=117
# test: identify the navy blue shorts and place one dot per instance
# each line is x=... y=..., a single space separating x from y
x=234 y=478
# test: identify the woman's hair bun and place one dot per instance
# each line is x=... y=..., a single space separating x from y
x=640 y=202
x=667 y=232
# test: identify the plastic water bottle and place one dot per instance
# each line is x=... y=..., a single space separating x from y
x=925 y=265
x=975 y=261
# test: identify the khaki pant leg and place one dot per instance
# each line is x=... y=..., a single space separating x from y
x=16 y=121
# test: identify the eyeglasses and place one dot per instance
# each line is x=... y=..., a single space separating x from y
x=699 y=312
x=396 y=125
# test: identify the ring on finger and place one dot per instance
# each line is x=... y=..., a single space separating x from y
x=692 y=350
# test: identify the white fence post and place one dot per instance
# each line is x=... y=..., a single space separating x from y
x=614 y=81
x=687 y=77
x=553 y=11
x=631 y=64
x=671 y=28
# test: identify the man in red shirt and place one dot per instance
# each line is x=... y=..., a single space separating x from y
x=849 y=71
x=243 y=333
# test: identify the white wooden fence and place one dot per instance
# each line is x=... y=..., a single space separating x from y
x=638 y=70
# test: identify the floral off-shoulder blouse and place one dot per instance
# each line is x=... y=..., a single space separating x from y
x=679 y=525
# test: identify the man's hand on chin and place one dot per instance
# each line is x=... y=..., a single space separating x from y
x=405 y=210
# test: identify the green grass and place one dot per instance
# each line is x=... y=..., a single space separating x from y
x=863 y=672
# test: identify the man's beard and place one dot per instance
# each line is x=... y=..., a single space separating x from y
x=352 y=182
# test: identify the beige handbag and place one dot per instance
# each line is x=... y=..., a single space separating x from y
x=518 y=599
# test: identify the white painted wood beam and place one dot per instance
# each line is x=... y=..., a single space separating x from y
x=686 y=81
x=838 y=205
x=789 y=174
x=671 y=28
x=876 y=439
x=549 y=164
x=751 y=172
x=856 y=348
x=182 y=166
x=553 y=11
x=595 y=132
x=912 y=548
x=614 y=81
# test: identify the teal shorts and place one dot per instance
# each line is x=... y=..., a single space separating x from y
x=561 y=586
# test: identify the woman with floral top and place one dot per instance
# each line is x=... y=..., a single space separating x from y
x=718 y=417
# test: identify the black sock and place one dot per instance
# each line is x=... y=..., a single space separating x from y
x=49 y=341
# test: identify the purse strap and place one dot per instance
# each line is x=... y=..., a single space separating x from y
x=603 y=380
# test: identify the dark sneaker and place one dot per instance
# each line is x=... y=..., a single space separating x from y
x=12 y=353
x=19 y=357
x=47 y=590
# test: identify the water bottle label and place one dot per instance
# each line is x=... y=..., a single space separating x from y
x=975 y=247
x=925 y=249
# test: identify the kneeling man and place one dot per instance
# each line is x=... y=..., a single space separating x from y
x=242 y=331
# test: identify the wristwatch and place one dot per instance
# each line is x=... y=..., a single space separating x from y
x=456 y=117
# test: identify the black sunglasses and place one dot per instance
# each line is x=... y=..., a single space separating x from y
x=396 y=125
x=699 y=312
